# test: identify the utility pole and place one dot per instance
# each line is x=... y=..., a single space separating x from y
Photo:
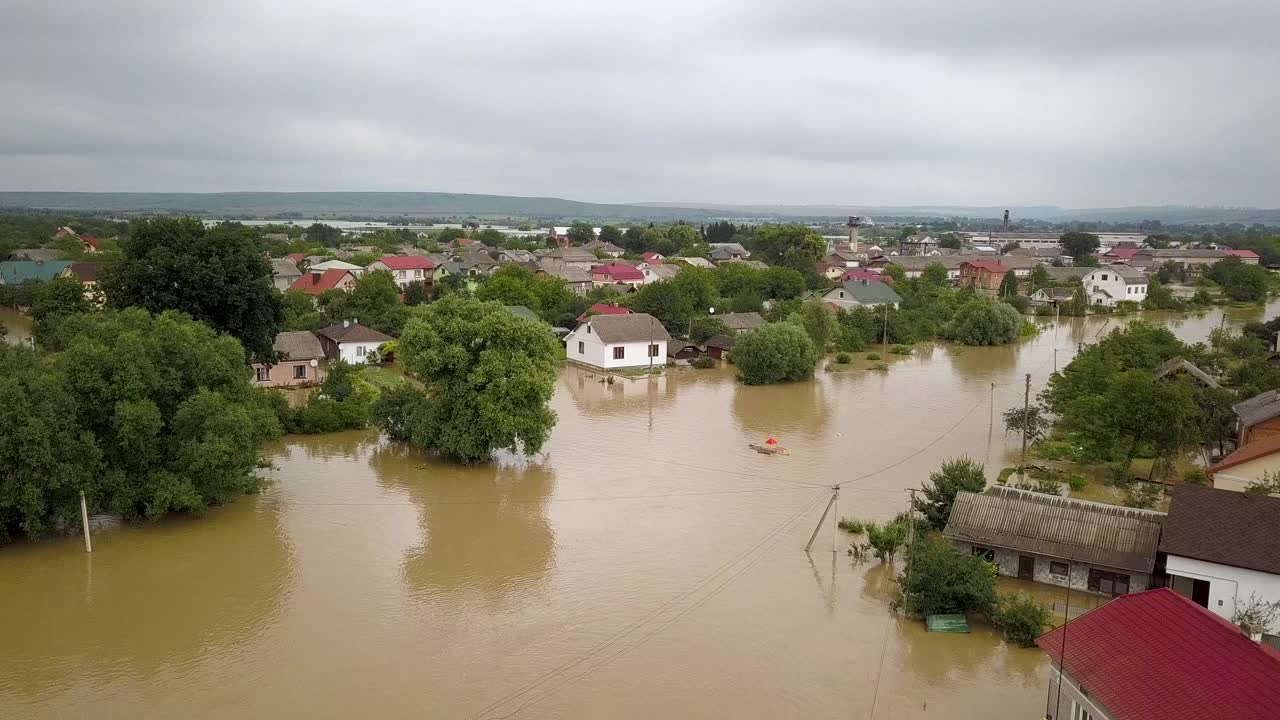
x=835 y=492
x=884 y=350
x=84 y=520
x=1026 y=404
x=649 y=350
x=911 y=533
x=1055 y=359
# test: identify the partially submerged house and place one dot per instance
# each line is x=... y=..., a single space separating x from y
x=87 y=274
x=613 y=342
x=301 y=362
x=1156 y=656
x=1113 y=284
x=984 y=275
x=719 y=346
x=1174 y=366
x=1102 y=548
x=351 y=342
x=1052 y=296
x=1222 y=548
x=860 y=293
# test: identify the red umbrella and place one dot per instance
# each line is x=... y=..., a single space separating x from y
x=770 y=441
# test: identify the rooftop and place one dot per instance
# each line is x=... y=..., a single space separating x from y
x=406 y=262
x=742 y=321
x=18 y=271
x=871 y=292
x=603 y=309
x=632 y=327
x=994 y=266
x=297 y=345
x=1224 y=527
x=618 y=271
x=1089 y=532
x=1268 y=445
x=353 y=332
x=314 y=283
x=1262 y=406
x=1156 y=655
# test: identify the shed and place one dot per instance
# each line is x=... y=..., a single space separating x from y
x=738 y=322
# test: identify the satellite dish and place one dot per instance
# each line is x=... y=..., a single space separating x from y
x=315 y=362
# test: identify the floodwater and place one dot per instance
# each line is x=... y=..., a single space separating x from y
x=17 y=326
x=647 y=565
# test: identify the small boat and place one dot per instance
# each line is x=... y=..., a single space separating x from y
x=769 y=449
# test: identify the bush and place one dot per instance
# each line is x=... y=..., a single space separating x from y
x=886 y=539
x=774 y=353
x=1077 y=482
x=983 y=322
x=873 y=356
x=1021 y=618
x=900 y=350
x=1195 y=476
x=852 y=525
x=1018 y=302
x=1045 y=310
x=843 y=358
x=1124 y=307
x=945 y=580
x=703 y=363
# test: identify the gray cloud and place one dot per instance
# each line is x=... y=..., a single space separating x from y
x=825 y=102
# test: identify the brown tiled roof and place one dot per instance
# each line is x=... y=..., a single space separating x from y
x=1224 y=527
x=1269 y=445
x=354 y=332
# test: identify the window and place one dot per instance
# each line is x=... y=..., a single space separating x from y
x=842 y=294
x=653 y=350
x=299 y=372
x=359 y=351
x=1104 y=276
x=400 y=274
x=262 y=374
x=1107 y=582
x=1057 y=568
x=588 y=329
x=582 y=348
x=1079 y=713
x=984 y=552
x=417 y=273
x=618 y=352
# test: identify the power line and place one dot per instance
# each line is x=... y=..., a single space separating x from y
x=935 y=441
x=600 y=498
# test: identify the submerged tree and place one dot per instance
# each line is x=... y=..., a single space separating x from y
x=776 y=352
x=939 y=493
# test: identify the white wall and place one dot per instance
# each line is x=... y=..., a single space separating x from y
x=1113 y=284
x=597 y=354
x=354 y=353
x=402 y=277
x=1227 y=585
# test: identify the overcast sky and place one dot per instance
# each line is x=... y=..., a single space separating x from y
x=1080 y=104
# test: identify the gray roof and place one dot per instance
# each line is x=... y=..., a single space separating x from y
x=951 y=262
x=871 y=292
x=1176 y=364
x=1262 y=406
x=1224 y=527
x=724 y=251
x=632 y=327
x=720 y=342
x=571 y=254
x=37 y=254
x=758 y=265
x=742 y=321
x=1078 y=530
x=520 y=256
x=1056 y=293
x=665 y=272
x=568 y=273
x=695 y=261
x=353 y=332
x=1061 y=274
x=297 y=345
x=284 y=267
x=1008 y=237
x=1182 y=252
x=1130 y=275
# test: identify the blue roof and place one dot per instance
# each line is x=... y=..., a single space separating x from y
x=13 y=272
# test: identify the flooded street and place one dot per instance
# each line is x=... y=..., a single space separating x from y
x=17 y=327
x=647 y=565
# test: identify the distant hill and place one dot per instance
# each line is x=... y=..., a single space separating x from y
x=306 y=205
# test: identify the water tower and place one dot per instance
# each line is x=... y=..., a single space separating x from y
x=855 y=222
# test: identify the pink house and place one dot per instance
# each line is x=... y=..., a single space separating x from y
x=406 y=269
x=616 y=274
x=314 y=283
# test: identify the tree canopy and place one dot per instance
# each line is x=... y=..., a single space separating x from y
x=216 y=275
x=1240 y=281
x=774 y=353
x=939 y=493
x=983 y=322
x=374 y=300
x=793 y=246
x=1079 y=244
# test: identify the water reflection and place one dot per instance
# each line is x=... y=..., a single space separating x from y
x=17 y=326
x=593 y=395
x=485 y=530
x=800 y=408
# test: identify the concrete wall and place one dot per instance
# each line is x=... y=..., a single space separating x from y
x=355 y=353
x=1113 y=284
x=1237 y=477
x=1063 y=706
x=282 y=375
x=1228 y=586
x=1007 y=560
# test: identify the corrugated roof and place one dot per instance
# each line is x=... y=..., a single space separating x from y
x=17 y=271
x=871 y=292
x=1262 y=406
x=742 y=321
x=1089 y=532
x=634 y=327
x=1156 y=655
x=1268 y=445
x=297 y=345
x=1177 y=363
x=284 y=267
x=1224 y=527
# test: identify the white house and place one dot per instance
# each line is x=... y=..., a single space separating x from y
x=1113 y=284
x=406 y=269
x=612 y=342
x=860 y=293
x=350 y=342
x=1222 y=549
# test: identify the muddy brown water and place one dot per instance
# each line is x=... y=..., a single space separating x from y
x=647 y=565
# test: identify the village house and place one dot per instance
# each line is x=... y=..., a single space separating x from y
x=653 y=258
x=573 y=256
x=680 y=352
x=578 y=279
x=606 y=248
x=728 y=252
x=476 y=264
x=316 y=282
x=843 y=258
x=1255 y=462
x=1258 y=417
x=737 y=323
x=351 y=342
x=284 y=273
x=860 y=293
x=1188 y=258
x=1157 y=656
x=698 y=262
x=920 y=244
x=863 y=274
x=654 y=273
x=719 y=346
x=616 y=274
x=522 y=257
x=1101 y=548
x=1067 y=274
x=614 y=342
x=1113 y=284
x=603 y=309
x=914 y=267
x=1222 y=549
x=37 y=254
x=1052 y=296
x=300 y=364
x=87 y=274
x=322 y=264
x=1118 y=255
x=983 y=275
x=406 y=269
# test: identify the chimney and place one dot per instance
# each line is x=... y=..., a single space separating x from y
x=346 y=323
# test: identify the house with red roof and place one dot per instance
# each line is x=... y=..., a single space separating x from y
x=864 y=274
x=314 y=283
x=616 y=274
x=1156 y=655
x=296 y=258
x=603 y=309
x=1118 y=254
x=1248 y=257
x=985 y=275
x=653 y=258
x=91 y=243
x=406 y=269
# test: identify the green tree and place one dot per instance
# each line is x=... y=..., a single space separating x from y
x=55 y=300
x=611 y=234
x=374 y=300
x=983 y=322
x=944 y=580
x=217 y=276
x=774 y=353
x=950 y=241
x=721 y=231
x=448 y=235
x=704 y=327
x=46 y=458
x=491 y=237
x=1160 y=297
x=1021 y=617
x=1009 y=285
x=415 y=293
x=1241 y=282
x=511 y=285
x=300 y=312
x=781 y=283
x=1079 y=244
x=935 y=274
x=939 y=493
x=581 y=233
x=818 y=323
x=326 y=235
x=488 y=378
x=682 y=236
x=795 y=246
x=665 y=301
x=1040 y=278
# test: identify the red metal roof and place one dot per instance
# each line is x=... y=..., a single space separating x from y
x=994 y=266
x=604 y=309
x=316 y=283
x=653 y=258
x=1122 y=253
x=406 y=262
x=1268 y=445
x=1243 y=253
x=618 y=271
x=92 y=241
x=296 y=257
x=1156 y=655
x=860 y=274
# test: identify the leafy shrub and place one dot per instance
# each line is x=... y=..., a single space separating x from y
x=945 y=580
x=1018 y=302
x=852 y=525
x=1195 y=476
x=1077 y=482
x=774 y=353
x=843 y=358
x=900 y=350
x=1045 y=310
x=983 y=322
x=873 y=356
x=886 y=539
x=703 y=363
x=1021 y=618
x=1124 y=307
